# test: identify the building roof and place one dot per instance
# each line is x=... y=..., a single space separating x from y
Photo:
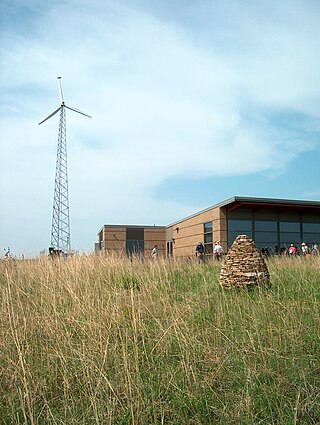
x=137 y=226
x=257 y=203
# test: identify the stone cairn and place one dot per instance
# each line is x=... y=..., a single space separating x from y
x=244 y=266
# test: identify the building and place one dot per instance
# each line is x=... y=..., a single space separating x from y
x=129 y=240
x=272 y=223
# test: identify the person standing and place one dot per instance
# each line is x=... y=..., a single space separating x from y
x=304 y=248
x=292 y=251
x=217 y=251
x=154 y=252
x=314 y=249
x=200 y=252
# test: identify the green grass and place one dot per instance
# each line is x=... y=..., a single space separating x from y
x=99 y=340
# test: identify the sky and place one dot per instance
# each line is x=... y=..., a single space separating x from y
x=192 y=102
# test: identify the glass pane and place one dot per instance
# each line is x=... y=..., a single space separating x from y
x=266 y=237
x=289 y=238
x=208 y=248
x=311 y=227
x=232 y=236
x=289 y=226
x=265 y=226
x=311 y=237
x=240 y=226
x=208 y=227
x=208 y=238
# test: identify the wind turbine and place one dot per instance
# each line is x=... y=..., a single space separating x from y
x=60 y=231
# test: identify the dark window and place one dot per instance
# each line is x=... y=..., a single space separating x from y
x=134 y=247
x=266 y=237
x=265 y=226
x=207 y=237
x=289 y=226
x=135 y=233
x=208 y=248
x=208 y=227
x=135 y=240
x=232 y=236
x=242 y=226
x=311 y=237
x=311 y=227
x=289 y=238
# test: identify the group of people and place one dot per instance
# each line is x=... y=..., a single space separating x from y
x=217 y=251
x=304 y=249
x=292 y=251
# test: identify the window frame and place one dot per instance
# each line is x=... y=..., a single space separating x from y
x=208 y=246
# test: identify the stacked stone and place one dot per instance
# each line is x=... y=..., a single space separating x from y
x=244 y=266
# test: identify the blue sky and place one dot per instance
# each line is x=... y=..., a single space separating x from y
x=192 y=102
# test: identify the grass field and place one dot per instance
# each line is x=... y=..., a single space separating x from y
x=95 y=340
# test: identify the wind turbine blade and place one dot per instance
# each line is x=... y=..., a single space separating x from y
x=60 y=90
x=77 y=110
x=51 y=115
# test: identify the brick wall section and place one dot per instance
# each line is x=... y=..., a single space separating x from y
x=187 y=233
x=223 y=229
x=155 y=236
x=114 y=239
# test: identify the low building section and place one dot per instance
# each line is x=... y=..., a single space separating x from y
x=131 y=240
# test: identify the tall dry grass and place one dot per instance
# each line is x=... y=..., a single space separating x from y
x=102 y=340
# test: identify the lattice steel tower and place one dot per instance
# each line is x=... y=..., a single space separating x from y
x=60 y=231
